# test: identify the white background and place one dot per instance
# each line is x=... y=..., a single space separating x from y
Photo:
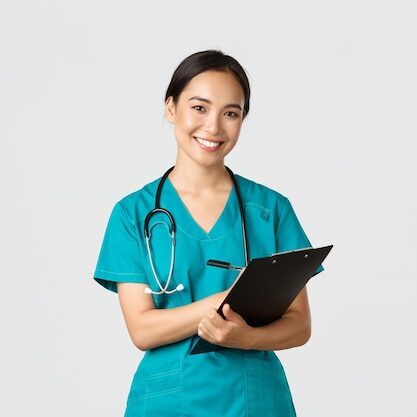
x=332 y=126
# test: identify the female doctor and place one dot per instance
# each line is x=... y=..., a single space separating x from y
x=155 y=250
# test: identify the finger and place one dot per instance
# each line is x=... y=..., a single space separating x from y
x=212 y=334
x=204 y=333
x=211 y=328
x=230 y=314
x=215 y=319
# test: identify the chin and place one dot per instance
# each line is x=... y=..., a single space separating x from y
x=206 y=163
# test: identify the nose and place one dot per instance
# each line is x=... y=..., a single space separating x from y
x=213 y=124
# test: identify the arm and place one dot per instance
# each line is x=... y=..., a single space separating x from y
x=292 y=329
x=149 y=327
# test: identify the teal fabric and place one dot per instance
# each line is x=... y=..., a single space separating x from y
x=168 y=381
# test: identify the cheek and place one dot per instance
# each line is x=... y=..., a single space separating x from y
x=186 y=121
x=235 y=130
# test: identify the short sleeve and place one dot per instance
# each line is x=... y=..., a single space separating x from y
x=290 y=234
x=120 y=258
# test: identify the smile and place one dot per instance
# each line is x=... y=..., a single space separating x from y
x=207 y=143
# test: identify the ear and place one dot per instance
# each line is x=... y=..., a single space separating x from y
x=170 y=109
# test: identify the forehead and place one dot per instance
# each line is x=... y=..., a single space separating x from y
x=214 y=85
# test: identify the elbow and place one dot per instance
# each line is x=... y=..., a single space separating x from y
x=301 y=331
x=142 y=341
x=302 y=334
x=306 y=338
x=139 y=339
x=139 y=334
x=140 y=344
x=305 y=334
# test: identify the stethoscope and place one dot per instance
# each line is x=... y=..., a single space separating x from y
x=158 y=209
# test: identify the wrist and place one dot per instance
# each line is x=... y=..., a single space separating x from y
x=216 y=299
x=252 y=337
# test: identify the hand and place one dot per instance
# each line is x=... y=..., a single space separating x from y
x=233 y=331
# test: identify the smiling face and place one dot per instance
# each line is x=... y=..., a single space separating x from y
x=207 y=117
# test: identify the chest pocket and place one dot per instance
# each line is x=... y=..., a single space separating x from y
x=260 y=227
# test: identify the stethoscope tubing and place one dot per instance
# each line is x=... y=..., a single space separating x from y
x=159 y=209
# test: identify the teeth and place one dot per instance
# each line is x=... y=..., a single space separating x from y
x=208 y=143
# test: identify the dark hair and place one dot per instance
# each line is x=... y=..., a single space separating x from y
x=204 y=61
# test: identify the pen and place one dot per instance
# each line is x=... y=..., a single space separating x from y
x=222 y=264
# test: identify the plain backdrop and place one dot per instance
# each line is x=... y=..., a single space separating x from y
x=332 y=126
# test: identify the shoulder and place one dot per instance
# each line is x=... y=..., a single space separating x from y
x=138 y=203
x=263 y=203
x=259 y=195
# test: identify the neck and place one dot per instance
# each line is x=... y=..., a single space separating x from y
x=192 y=177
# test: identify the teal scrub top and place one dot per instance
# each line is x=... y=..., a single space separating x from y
x=168 y=381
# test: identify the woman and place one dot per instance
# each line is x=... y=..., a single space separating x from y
x=168 y=295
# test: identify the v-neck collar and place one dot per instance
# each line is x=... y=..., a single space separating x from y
x=171 y=200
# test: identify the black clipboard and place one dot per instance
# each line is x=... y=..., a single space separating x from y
x=268 y=286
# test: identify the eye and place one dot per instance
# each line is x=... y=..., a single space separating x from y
x=198 y=108
x=232 y=114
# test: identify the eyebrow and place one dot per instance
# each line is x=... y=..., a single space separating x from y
x=235 y=105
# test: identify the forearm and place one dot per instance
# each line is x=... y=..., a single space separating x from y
x=157 y=327
x=293 y=329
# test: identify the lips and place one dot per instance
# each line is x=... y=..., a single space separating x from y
x=208 y=143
